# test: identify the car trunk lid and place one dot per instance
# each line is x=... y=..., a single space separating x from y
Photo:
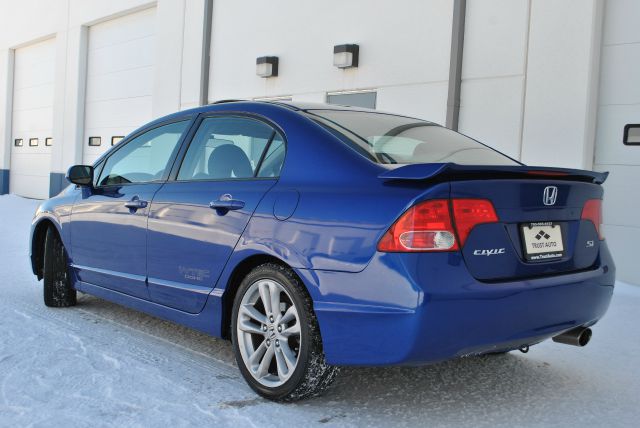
x=540 y=230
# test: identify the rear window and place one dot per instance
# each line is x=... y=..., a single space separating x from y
x=389 y=139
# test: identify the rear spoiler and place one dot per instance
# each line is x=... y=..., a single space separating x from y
x=452 y=171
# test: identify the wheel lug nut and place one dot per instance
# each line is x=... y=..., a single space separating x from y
x=277 y=343
x=268 y=342
x=279 y=329
x=271 y=319
x=264 y=327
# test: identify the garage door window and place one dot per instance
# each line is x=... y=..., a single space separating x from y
x=230 y=148
x=145 y=158
x=632 y=135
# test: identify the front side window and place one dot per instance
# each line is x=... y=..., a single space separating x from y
x=232 y=148
x=145 y=158
x=390 y=139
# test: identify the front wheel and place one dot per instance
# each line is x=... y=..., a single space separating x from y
x=58 y=292
x=275 y=336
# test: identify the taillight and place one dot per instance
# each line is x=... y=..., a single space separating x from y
x=470 y=212
x=428 y=226
x=424 y=227
x=593 y=211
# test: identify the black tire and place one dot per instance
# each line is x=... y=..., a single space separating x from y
x=312 y=374
x=58 y=292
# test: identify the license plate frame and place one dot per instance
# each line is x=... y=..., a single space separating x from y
x=546 y=243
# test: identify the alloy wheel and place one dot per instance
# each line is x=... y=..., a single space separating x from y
x=268 y=332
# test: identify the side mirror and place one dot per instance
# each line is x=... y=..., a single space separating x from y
x=82 y=175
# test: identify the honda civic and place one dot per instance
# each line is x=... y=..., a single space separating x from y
x=317 y=236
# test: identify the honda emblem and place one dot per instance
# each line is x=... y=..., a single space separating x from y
x=549 y=196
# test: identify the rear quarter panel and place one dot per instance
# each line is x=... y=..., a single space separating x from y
x=334 y=226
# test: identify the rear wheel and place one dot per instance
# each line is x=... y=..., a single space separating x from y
x=58 y=292
x=275 y=336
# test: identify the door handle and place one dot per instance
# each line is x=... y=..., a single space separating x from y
x=135 y=204
x=226 y=203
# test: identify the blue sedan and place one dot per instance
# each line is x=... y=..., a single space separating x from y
x=317 y=236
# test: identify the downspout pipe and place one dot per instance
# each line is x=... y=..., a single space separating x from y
x=455 y=64
x=206 y=53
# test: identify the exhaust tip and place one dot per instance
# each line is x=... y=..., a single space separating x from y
x=585 y=337
x=579 y=336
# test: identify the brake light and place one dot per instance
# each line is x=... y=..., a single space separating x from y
x=468 y=213
x=593 y=211
x=426 y=226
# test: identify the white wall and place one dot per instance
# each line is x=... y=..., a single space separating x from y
x=178 y=55
x=494 y=72
x=404 y=50
x=530 y=70
x=520 y=58
x=561 y=84
x=619 y=104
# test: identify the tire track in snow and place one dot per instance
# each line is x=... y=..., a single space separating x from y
x=137 y=340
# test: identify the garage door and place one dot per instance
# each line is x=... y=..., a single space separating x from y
x=119 y=80
x=616 y=150
x=32 y=119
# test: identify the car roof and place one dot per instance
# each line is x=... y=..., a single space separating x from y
x=292 y=105
x=240 y=105
x=305 y=106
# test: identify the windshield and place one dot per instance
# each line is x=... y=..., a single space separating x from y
x=389 y=139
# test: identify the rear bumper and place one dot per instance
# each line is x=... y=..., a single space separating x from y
x=423 y=308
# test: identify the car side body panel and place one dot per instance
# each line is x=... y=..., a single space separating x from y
x=109 y=240
x=188 y=243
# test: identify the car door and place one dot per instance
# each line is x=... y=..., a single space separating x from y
x=196 y=220
x=109 y=220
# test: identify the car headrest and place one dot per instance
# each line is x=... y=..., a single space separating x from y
x=422 y=150
x=229 y=161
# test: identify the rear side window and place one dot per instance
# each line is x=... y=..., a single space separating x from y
x=390 y=139
x=273 y=159
x=232 y=148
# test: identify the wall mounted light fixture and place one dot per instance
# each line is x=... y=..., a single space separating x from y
x=346 y=56
x=267 y=66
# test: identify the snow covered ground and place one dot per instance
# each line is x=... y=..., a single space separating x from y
x=102 y=365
